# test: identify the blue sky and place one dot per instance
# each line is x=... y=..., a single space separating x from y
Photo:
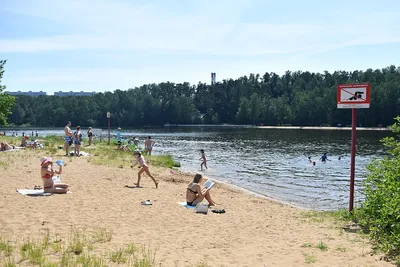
x=103 y=45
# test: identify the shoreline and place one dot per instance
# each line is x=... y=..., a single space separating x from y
x=329 y=128
x=248 y=191
x=347 y=128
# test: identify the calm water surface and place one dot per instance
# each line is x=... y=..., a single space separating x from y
x=272 y=162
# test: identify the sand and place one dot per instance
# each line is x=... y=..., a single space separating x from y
x=254 y=231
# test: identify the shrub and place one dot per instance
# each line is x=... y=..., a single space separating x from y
x=379 y=215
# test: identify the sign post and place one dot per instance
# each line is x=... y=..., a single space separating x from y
x=108 y=118
x=353 y=96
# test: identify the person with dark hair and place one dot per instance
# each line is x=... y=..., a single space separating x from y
x=119 y=137
x=77 y=141
x=324 y=158
x=148 y=145
x=144 y=168
x=203 y=159
x=90 y=136
x=68 y=137
x=195 y=193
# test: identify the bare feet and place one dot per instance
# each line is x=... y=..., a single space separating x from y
x=157 y=184
x=136 y=184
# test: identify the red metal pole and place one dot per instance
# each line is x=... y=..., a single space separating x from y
x=353 y=156
x=108 y=130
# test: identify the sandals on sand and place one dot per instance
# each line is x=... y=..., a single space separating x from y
x=218 y=211
x=146 y=202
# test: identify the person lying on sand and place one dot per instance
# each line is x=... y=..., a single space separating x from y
x=195 y=193
x=125 y=148
x=47 y=172
x=4 y=146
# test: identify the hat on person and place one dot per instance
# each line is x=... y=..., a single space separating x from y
x=90 y=128
x=44 y=160
x=119 y=128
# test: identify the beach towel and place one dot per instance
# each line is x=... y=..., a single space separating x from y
x=33 y=192
x=184 y=204
x=38 y=192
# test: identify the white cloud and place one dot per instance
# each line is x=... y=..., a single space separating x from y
x=106 y=24
x=113 y=32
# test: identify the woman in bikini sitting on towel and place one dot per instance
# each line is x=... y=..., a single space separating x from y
x=195 y=193
x=47 y=173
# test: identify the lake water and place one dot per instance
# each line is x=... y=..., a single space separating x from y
x=271 y=162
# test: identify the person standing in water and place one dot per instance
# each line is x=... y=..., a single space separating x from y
x=148 y=145
x=203 y=159
x=145 y=168
x=324 y=158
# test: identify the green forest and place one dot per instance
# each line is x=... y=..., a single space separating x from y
x=296 y=98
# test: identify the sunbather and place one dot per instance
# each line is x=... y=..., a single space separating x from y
x=125 y=148
x=195 y=193
x=47 y=173
x=4 y=146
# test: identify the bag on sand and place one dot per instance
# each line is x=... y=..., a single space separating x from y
x=201 y=208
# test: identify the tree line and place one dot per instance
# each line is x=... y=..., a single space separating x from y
x=296 y=98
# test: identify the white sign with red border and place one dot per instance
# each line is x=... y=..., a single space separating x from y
x=353 y=95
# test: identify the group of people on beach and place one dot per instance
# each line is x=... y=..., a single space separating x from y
x=74 y=138
x=195 y=191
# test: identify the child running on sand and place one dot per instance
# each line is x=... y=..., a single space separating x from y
x=145 y=168
x=203 y=159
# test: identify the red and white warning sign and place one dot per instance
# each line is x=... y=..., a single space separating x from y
x=353 y=95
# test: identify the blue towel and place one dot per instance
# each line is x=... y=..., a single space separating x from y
x=184 y=204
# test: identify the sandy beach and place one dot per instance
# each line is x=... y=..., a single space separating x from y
x=254 y=231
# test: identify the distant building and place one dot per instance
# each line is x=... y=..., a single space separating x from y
x=71 y=93
x=30 y=93
x=213 y=78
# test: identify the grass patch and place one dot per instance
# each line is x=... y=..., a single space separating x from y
x=6 y=248
x=77 y=250
x=32 y=252
x=322 y=246
x=306 y=245
x=118 y=256
x=4 y=164
x=102 y=236
x=309 y=258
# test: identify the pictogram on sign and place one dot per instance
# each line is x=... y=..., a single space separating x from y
x=353 y=95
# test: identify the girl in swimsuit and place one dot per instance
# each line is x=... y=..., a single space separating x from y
x=195 y=193
x=77 y=141
x=203 y=159
x=145 y=168
x=47 y=172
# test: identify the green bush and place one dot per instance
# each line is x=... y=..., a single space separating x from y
x=379 y=215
